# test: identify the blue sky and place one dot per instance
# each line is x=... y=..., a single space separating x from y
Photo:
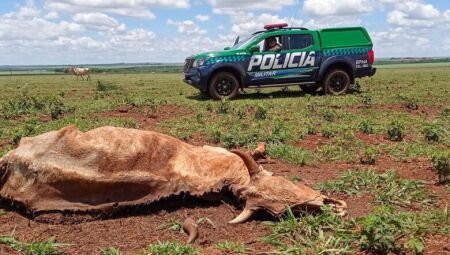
x=111 y=31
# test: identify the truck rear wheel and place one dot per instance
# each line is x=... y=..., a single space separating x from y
x=223 y=85
x=336 y=82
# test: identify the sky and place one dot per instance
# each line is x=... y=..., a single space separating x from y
x=40 y=32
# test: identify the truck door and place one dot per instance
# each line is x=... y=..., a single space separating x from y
x=302 y=51
x=298 y=60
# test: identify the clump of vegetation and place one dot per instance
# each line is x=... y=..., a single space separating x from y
x=228 y=246
x=395 y=131
x=233 y=137
x=279 y=132
x=311 y=130
x=24 y=105
x=172 y=248
x=173 y=225
x=388 y=188
x=104 y=86
x=289 y=153
x=366 y=100
x=441 y=164
x=260 y=113
x=382 y=232
x=223 y=106
x=313 y=234
x=2 y=212
x=328 y=132
x=411 y=104
x=370 y=156
x=28 y=129
x=434 y=133
x=328 y=115
x=110 y=251
x=366 y=126
x=47 y=247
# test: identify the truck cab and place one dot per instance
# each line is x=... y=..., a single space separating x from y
x=330 y=58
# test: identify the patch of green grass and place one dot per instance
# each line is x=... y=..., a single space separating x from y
x=47 y=247
x=172 y=248
x=110 y=251
x=319 y=234
x=228 y=246
x=382 y=232
x=106 y=86
x=173 y=225
x=289 y=153
x=388 y=188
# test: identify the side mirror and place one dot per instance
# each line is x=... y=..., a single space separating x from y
x=226 y=48
x=254 y=48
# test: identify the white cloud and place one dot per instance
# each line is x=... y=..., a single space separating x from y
x=52 y=15
x=99 y=21
x=131 y=8
x=413 y=14
x=202 y=18
x=247 y=22
x=187 y=27
x=231 y=6
x=337 y=7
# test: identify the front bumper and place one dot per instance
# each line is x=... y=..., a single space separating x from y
x=194 y=78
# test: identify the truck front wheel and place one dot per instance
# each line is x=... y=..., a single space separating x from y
x=336 y=82
x=223 y=85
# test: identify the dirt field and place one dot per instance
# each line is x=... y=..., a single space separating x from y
x=312 y=139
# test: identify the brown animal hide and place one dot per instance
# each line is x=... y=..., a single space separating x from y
x=110 y=167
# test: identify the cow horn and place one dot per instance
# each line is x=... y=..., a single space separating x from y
x=191 y=228
x=251 y=164
x=242 y=217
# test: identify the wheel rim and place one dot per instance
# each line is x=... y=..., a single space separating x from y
x=338 y=83
x=224 y=87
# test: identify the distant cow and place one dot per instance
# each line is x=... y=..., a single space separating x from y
x=78 y=71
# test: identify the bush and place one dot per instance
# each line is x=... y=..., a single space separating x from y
x=327 y=132
x=395 y=131
x=261 y=113
x=328 y=115
x=366 y=127
x=370 y=155
x=441 y=164
x=434 y=133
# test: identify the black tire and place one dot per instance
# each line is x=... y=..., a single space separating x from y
x=223 y=85
x=310 y=89
x=336 y=82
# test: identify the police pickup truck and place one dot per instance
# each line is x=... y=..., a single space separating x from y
x=281 y=56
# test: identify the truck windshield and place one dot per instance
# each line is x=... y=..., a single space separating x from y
x=243 y=43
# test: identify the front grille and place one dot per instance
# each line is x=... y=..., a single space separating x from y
x=188 y=64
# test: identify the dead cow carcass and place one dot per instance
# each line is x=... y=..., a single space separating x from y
x=110 y=167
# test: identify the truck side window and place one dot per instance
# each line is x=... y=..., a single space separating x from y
x=298 y=42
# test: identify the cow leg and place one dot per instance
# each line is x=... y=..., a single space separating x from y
x=82 y=77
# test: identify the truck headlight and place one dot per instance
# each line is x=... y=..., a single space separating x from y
x=199 y=62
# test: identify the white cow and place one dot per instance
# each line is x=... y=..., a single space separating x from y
x=78 y=71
